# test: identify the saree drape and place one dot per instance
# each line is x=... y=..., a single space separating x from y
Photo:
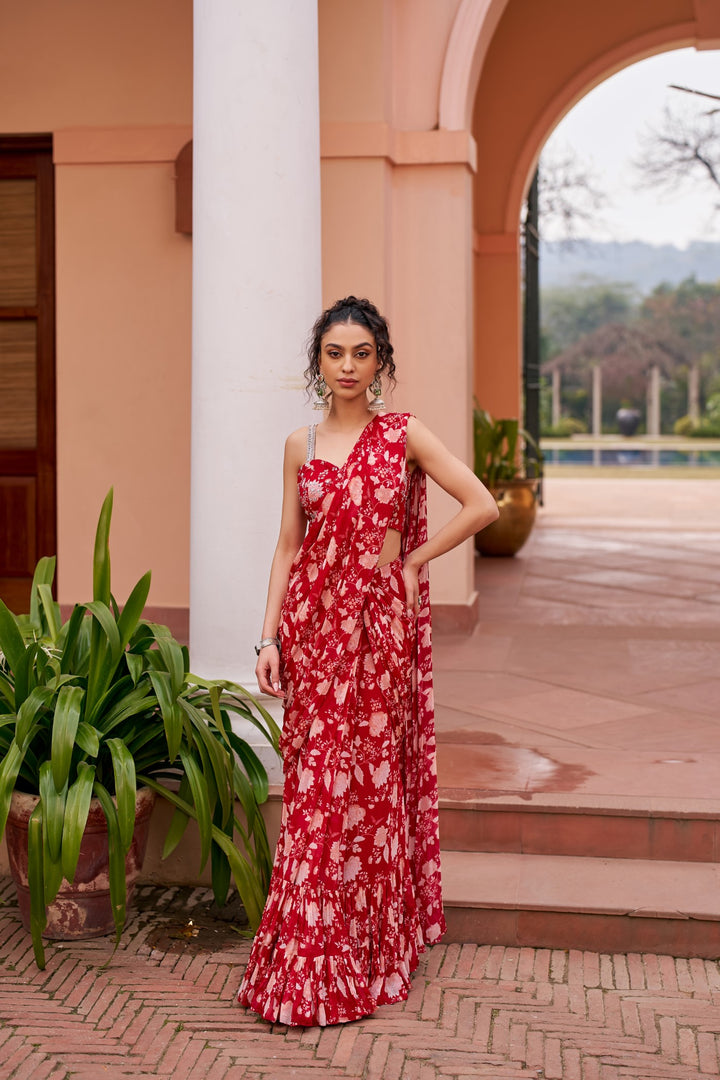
x=355 y=893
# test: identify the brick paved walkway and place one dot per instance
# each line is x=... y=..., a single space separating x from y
x=165 y=1006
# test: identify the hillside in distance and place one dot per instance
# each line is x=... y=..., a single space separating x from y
x=640 y=264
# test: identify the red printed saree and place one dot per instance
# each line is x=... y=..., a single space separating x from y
x=355 y=892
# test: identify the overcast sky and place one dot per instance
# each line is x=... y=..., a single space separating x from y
x=604 y=129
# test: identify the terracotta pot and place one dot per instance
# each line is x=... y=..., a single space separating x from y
x=517 y=502
x=81 y=909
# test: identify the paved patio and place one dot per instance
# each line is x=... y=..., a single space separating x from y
x=593 y=677
x=594 y=671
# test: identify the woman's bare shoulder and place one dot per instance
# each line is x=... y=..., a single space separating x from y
x=422 y=444
x=296 y=446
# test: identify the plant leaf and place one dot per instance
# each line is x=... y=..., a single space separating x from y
x=70 y=638
x=135 y=666
x=220 y=867
x=9 y=769
x=77 y=807
x=65 y=724
x=248 y=887
x=132 y=612
x=11 y=642
x=101 y=555
x=253 y=767
x=178 y=823
x=116 y=858
x=51 y=609
x=199 y=789
x=125 y=790
x=53 y=811
x=44 y=574
x=38 y=699
x=172 y=656
x=172 y=718
x=38 y=912
x=87 y=739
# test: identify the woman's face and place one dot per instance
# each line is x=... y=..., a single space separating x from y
x=348 y=359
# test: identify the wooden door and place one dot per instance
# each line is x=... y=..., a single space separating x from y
x=27 y=362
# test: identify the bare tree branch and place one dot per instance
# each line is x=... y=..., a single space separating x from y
x=568 y=197
x=683 y=149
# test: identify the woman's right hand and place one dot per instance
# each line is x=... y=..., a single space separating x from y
x=267 y=671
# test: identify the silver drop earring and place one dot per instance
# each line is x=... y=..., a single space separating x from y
x=321 y=390
x=377 y=405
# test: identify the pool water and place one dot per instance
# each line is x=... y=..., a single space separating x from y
x=651 y=457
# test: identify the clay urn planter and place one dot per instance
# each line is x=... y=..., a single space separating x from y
x=82 y=908
x=517 y=503
x=503 y=464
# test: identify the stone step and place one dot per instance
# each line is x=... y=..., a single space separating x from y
x=609 y=828
x=571 y=902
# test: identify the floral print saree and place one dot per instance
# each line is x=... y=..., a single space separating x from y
x=355 y=893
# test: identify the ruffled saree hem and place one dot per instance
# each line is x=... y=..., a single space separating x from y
x=307 y=971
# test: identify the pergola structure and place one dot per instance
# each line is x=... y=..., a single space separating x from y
x=631 y=358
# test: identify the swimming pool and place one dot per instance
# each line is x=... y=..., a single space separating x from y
x=647 y=456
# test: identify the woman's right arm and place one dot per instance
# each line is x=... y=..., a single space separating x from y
x=292 y=532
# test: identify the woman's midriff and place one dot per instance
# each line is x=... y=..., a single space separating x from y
x=391 y=547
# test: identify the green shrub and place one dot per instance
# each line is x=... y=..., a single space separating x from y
x=566 y=426
x=707 y=427
x=684 y=426
x=712 y=409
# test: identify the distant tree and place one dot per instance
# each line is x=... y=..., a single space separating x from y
x=687 y=316
x=684 y=149
x=625 y=353
x=569 y=313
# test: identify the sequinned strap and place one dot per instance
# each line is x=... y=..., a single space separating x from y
x=311 y=442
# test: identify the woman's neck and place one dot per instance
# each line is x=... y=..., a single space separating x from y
x=349 y=415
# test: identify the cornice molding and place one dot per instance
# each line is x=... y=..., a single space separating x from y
x=121 y=145
x=399 y=147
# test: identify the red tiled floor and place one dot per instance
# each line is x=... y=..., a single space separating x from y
x=597 y=645
x=165 y=1006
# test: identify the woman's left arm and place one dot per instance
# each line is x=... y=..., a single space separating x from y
x=477 y=506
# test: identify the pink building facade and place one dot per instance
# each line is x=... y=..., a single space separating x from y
x=382 y=148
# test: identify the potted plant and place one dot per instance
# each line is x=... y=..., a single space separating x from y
x=504 y=466
x=98 y=715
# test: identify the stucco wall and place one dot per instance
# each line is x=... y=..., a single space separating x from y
x=113 y=83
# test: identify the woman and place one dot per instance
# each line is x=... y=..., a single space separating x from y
x=355 y=893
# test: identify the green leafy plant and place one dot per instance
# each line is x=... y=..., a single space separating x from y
x=104 y=703
x=565 y=427
x=501 y=450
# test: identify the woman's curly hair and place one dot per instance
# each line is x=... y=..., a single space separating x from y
x=362 y=312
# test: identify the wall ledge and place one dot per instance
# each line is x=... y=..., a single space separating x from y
x=116 y=146
x=495 y=243
x=440 y=147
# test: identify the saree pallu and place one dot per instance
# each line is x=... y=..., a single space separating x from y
x=355 y=893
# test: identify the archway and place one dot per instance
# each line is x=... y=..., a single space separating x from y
x=536 y=61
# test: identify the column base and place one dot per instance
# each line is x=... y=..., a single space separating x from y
x=456 y=618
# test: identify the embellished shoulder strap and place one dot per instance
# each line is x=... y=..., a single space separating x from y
x=311 y=442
